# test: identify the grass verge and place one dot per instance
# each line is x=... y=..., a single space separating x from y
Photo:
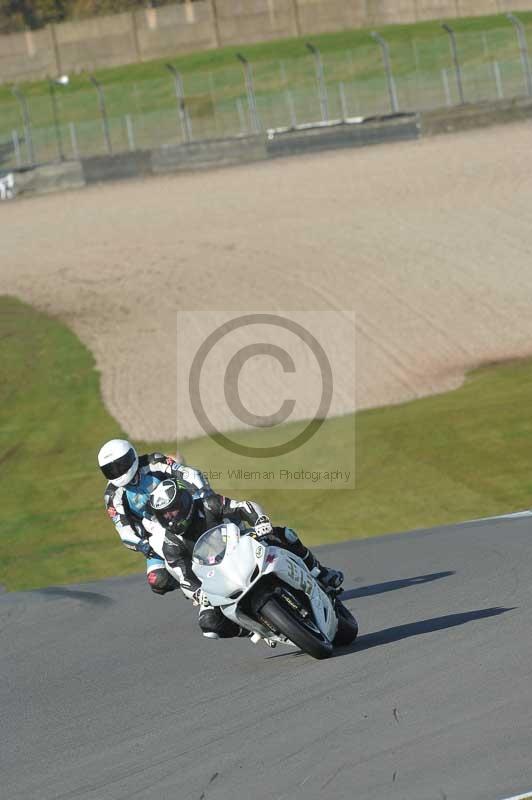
x=433 y=461
x=214 y=84
x=293 y=48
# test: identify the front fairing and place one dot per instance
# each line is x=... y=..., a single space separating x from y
x=226 y=583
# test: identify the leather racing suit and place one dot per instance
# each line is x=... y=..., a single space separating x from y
x=212 y=509
x=128 y=506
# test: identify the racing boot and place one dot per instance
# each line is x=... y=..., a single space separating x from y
x=328 y=577
x=213 y=624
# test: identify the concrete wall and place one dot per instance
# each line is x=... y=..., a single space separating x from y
x=255 y=20
x=173 y=29
x=96 y=42
x=152 y=33
x=27 y=55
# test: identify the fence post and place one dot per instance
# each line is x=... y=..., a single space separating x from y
x=74 y=140
x=103 y=112
x=291 y=108
x=523 y=48
x=26 y=121
x=320 y=78
x=343 y=100
x=457 y=69
x=446 y=87
x=498 y=79
x=55 y=45
x=241 y=117
x=215 y=23
x=212 y=95
x=135 y=31
x=16 y=147
x=62 y=81
x=250 y=89
x=297 y=21
x=184 y=117
x=392 y=91
x=130 y=133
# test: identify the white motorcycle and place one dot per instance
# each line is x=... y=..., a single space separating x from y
x=270 y=592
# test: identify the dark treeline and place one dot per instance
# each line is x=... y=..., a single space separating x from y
x=20 y=15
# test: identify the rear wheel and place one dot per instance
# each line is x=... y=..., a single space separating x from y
x=347 y=626
x=303 y=633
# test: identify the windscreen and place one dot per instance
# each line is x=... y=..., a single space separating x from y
x=210 y=548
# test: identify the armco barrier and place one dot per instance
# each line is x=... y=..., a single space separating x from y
x=218 y=152
x=476 y=115
x=118 y=167
x=225 y=152
x=49 y=178
x=369 y=131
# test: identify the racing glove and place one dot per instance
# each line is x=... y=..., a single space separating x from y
x=143 y=546
x=196 y=597
x=263 y=526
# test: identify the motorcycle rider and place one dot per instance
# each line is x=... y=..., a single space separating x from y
x=185 y=516
x=130 y=480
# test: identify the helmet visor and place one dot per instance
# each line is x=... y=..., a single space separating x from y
x=115 y=469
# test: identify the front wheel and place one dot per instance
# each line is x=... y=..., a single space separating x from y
x=347 y=626
x=304 y=634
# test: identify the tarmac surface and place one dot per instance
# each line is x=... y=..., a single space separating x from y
x=109 y=692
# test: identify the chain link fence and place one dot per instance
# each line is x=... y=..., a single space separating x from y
x=72 y=122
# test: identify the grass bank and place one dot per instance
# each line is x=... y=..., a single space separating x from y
x=397 y=36
x=433 y=461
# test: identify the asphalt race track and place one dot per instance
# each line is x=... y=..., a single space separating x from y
x=109 y=692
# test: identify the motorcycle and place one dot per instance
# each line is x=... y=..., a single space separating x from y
x=270 y=592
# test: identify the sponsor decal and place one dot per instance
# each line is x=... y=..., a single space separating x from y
x=305 y=581
x=210 y=573
x=259 y=551
x=270 y=558
x=169 y=460
x=113 y=513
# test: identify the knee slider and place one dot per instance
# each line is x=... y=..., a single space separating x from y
x=290 y=535
x=160 y=581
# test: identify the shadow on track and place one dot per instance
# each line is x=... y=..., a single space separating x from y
x=74 y=594
x=391 y=586
x=389 y=635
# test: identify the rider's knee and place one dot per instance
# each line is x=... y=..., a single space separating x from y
x=161 y=581
x=291 y=536
x=286 y=536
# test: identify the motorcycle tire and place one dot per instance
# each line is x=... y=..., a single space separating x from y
x=306 y=637
x=347 y=626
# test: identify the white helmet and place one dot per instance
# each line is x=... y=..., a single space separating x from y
x=118 y=461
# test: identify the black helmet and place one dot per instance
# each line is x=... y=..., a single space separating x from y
x=173 y=505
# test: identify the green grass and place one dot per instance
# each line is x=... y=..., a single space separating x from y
x=439 y=460
x=328 y=43
x=214 y=83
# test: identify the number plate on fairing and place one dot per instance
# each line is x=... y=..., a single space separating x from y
x=300 y=577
